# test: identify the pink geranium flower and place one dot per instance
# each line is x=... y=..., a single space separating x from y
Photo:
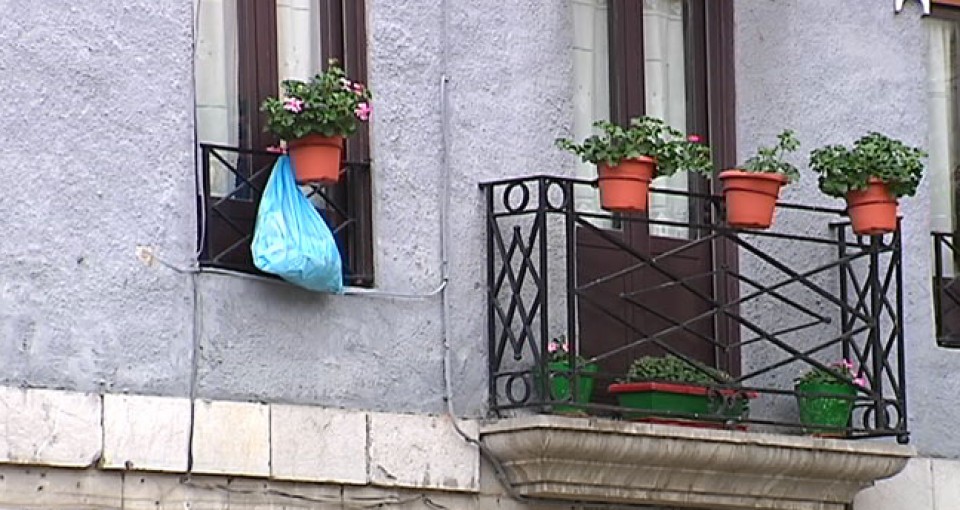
x=358 y=88
x=363 y=111
x=292 y=104
x=694 y=138
x=860 y=381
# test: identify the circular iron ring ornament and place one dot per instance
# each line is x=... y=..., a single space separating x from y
x=891 y=409
x=524 y=197
x=548 y=200
x=527 y=387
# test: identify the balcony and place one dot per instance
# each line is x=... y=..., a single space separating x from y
x=229 y=188
x=764 y=306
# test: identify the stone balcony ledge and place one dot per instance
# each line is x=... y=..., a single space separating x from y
x=598 y=460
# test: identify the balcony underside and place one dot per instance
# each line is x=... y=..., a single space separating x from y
x=607 y=461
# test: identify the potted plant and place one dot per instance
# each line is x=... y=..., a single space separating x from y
x=826 y=397
x=751 y=192
x=629 y=158
x=313 y=117
x=871 y=176
x=560 y=373
x=674 y=391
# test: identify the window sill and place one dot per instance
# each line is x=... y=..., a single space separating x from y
x=605 y=461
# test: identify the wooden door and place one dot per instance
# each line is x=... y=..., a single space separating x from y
x=664 y=293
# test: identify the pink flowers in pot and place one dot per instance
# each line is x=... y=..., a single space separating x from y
x=846 y=369
x=363 y=111
x=293 y=104
x=328 y=104
x=857 y=379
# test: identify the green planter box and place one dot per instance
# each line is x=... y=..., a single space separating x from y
x=821 y=414
x=559 y=385
x=680 y=404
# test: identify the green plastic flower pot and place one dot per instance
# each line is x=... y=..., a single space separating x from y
x=680 y=404
x=560 y=387
x=824 y=415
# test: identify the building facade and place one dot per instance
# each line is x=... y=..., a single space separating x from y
x=147 y=365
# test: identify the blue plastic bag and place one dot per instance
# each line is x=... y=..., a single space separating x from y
x=291 y=239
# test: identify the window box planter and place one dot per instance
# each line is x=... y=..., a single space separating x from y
x=682 y=404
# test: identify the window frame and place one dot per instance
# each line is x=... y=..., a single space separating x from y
x=343 y=35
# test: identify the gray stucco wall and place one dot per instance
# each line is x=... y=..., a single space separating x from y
x=832 y=71
x=276 y=343
x=79 y=310
x=95 y=160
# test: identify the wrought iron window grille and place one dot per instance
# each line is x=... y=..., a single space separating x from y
x=227 y=216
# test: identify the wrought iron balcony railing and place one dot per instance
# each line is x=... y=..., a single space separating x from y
x=229 y=195
x=946 y=290
x=765 y=306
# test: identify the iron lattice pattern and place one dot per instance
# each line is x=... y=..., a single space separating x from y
x=229 y=194
x=765 y=306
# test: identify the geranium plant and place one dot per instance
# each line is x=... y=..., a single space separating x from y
x=875 y=155
x=670 y=368
x=559 y=351
x=770 y=159
x=328 y=104
x=842 y=372
x=645 y=136
x=751 y=191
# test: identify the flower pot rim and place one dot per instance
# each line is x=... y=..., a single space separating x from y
x=849 y=388
x=743 y=174
x=583 y=367
x=638 y=159
x=675 y=387
x=316 y=138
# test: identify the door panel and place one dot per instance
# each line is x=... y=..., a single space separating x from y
x=648 y=300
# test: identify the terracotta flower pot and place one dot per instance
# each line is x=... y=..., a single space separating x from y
x=624 y=187
x=316 y=158
x=751 y=197
x=872 y=211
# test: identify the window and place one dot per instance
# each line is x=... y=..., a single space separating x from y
x=665 y=90
x=943 y=165
x=244 y=49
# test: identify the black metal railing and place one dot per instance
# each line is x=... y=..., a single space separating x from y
x=765 y=306
x=946 y=291
x=233 y=180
